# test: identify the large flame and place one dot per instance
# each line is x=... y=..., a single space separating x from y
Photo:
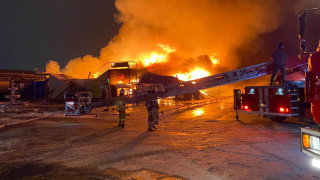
x=156 y=57
x=214 y=58
x=195 y=74
x=171 y=37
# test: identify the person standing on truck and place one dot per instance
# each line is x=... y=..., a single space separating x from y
x=152 y=107
x=121 y=105
x=279 y=58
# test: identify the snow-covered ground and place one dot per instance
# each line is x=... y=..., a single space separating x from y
x=204 y=142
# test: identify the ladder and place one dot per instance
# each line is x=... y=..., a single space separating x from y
x=65 y=81
x=229 y=77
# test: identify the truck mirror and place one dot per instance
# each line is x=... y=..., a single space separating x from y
x=303 y=46
x=302 y=24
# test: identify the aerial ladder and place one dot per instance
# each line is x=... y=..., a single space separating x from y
x=220 y=79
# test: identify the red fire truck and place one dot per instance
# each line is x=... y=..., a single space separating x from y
x=300 y=97
x=278 y=102
x=310 y=137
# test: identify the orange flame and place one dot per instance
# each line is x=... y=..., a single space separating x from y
x=145 y=22
x=96 y=75
x=155 y=57
x=195 y=74
x=214 y=59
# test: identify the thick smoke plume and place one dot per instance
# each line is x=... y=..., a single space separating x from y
x=196 y=30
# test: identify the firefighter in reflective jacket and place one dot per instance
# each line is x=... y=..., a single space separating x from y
x=152 y=107
x=121 y=103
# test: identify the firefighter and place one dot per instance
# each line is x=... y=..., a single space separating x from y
x=152 y=107
x=279 y=58
x=121 y=103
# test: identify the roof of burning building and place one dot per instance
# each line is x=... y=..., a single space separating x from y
x=150 y=78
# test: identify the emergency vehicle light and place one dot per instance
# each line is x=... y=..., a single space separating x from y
x=311 y=142
x=305 y=140
x=282 y=110
x=245 y=107
x=316 y=163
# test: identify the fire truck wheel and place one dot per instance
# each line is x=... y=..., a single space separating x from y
x=278 y=118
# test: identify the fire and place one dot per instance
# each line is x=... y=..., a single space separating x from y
x=203 y=92
x=156 y=57
x=145 y=24
x=135 y=80
x=96 y=75
x=167 y=48
x=195 y=74
x=198 y=112
x=214 y=59
x=130 y=91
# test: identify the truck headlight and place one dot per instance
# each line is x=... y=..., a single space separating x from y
x=315 y=142
x=310 y=142
x=316 y=163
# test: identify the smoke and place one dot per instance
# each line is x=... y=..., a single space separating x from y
x=78 y=67
x=195 y=29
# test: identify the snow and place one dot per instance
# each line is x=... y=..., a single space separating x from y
x=204 y=142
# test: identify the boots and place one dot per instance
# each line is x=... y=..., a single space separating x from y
x=121 y=123
x=271 y=83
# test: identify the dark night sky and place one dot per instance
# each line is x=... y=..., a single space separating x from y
x=35 y=31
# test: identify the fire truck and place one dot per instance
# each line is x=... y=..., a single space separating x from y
x=277 y=102
x=299 y=97
x=310 y=137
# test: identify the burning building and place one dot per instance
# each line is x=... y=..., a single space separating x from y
x=180 y=37
x=186 y=39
